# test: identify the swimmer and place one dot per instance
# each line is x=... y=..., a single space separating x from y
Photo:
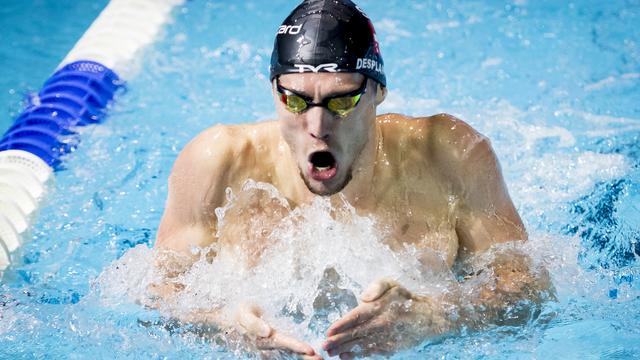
x=434 y=181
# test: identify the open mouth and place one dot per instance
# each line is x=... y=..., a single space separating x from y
x=322 y=165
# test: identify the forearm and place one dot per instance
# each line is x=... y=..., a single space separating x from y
x=168 y=292
x=169 y=300
x=508 y=290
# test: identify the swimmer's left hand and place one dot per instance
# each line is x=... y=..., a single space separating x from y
x=389 y=318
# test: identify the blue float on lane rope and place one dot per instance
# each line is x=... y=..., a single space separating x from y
x=75 y=95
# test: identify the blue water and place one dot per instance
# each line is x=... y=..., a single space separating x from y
x=555 y=85
x=35 y=36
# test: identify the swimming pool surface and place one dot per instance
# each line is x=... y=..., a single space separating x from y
x=554 y=85
x=35 y=36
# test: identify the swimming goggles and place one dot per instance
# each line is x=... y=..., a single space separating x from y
x=340 y=105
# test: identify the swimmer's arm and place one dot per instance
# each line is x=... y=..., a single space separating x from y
x=508 y=286
x=196 y=188
x=391 y=318
x=507 y=290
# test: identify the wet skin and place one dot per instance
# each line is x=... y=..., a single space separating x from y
x=434 y=181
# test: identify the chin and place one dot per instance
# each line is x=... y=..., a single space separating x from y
x=327 y=188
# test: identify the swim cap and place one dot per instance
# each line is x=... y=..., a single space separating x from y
x=327 y=36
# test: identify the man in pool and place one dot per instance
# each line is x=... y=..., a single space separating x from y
x=434 y=181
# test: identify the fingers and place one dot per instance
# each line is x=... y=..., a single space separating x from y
x=248 y=317
x=337 y=342
x=358 y=347
x=362 y=336
x=278 y=341
x=357 y=316
x=377 y=289
x=350 y=346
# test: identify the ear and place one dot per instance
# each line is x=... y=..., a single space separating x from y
x=381 y=93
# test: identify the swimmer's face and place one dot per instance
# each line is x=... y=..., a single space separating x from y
x=326 y=145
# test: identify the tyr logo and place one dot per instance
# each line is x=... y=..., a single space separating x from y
x=289 y=29
x=331 y=67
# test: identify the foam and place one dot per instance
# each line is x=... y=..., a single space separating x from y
x=558 y=178
x=600 y=120
x=319 y=249
x=310 y=252
x=610 y=81
x=292 y=272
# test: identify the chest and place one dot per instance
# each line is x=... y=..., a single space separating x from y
x=421 y=215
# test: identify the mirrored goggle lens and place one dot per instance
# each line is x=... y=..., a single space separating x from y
x=343 y=105
x=340 y=106
x=294 y=103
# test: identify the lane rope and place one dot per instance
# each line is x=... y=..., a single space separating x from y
x=77 y=94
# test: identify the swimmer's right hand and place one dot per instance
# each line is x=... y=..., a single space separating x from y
x=249 y=319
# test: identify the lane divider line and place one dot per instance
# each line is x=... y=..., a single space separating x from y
x=77 y=94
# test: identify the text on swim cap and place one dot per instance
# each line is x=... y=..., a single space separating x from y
x=289 y=29
x=369 y=64
x=331 y=67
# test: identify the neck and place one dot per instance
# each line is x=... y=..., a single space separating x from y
x=359 y=191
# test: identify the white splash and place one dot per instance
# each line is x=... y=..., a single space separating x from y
x=611 y=80
x=557 y=178
x=318 y=249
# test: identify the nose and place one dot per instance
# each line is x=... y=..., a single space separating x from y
x=319 y=123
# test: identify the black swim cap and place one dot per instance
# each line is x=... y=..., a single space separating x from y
x=327 y=36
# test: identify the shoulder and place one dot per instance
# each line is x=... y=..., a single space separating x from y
x=453 y=140
x=207 y=164
x=446 y=144
x=207 y=150
x=220 y=145
x=442 y=137
x=456 y=146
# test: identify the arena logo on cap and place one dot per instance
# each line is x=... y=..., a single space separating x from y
x=369 y=64
x=289 y=29
x=331 y=67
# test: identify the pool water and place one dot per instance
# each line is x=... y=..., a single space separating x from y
x=35 y=36
x=554 y=85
